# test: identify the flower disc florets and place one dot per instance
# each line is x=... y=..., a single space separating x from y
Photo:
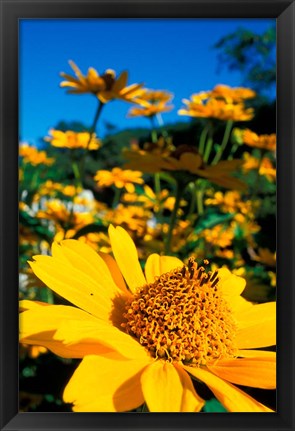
x=183 y=317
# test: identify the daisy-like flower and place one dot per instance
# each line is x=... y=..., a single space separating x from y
x=264 y=142
x=152 y=102
x=73 y=140
x=187 y=160
x=33 y=156
x=120 y=178
x=146 y=337
x=106 y=86
x=222 y=103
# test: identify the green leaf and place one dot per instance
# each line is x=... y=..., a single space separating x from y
x=214 y=406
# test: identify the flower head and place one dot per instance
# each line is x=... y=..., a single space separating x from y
x=73 y=140
x=106 y=86
x=223 y=103
x=146 y=340
x=265 y=142
x=120 y=178
x=186 y=160
x=33 y=156
x=152 y=102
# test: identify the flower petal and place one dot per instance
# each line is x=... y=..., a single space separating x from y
x=115 y=271
x=256 y=354
x=168 y=389
x=157 y=265
x=126 y=256
x=39 y=324
x=94 y=332
x=231 y=397
x=257 y=326
x=102 y=384
x=254 y=372
x=94 y=295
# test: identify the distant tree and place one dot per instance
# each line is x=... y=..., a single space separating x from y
x=254 y=55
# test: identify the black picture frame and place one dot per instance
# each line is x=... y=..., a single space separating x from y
x=11 y=12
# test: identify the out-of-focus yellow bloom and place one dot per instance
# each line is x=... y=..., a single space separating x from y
x=265 y=256
x=219 y=235
x=186 y=159
x=223 y=103
x=232 y=94
x=231 y=202
x=115 y=326
x=131 y=217
x=64 y=215
x=120 y=178
x=273 y=278
x=151 y=200
x=73 y=140
x=152 y=102
x=33 y=156
x=265 y=166
x=50 y=188
x=106 y=86
x=264 y=142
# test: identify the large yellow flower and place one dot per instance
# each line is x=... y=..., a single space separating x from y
x=106 y=86
x=148 y=341
x=185 y=159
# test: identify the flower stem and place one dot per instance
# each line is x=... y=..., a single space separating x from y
x=203 y=139
x=154 y=135
x=157 y=184
x=179 y=190
x=208 y=149
x=117 y=196
x=95 y=120
x=224 y=142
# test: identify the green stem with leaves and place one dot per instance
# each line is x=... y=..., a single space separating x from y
x=224 y=142
x=203 y=139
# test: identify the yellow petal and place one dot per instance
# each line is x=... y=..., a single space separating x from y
x=168 y=389
x=84 y=258
x=77 y=286
x=257 y=327
x=38 y=325
x=256 y=354
x=25 y=304
x=126 y=256
x=91 y=332
x=157 y=265
x=191 y=401
x=115 y=271
x=254 y=372
x=102 y=384
x=231 y=397
x=120 y=82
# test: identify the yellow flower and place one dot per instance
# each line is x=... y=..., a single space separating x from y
x=265 y=166
x=73 y=140
x=185 y=159
x=265 y=256
x=236 y=94
x=120 y=178
x=106 y=86
x=34 y=156
x=145 y=342
x=219 y=236
x=152 y=102
x=265 y=142
x=223 y=103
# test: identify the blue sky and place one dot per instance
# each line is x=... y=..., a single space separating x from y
x=170 y=54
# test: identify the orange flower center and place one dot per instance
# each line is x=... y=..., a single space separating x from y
x=182 y=317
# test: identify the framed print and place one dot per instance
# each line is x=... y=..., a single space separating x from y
x=147 y=215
